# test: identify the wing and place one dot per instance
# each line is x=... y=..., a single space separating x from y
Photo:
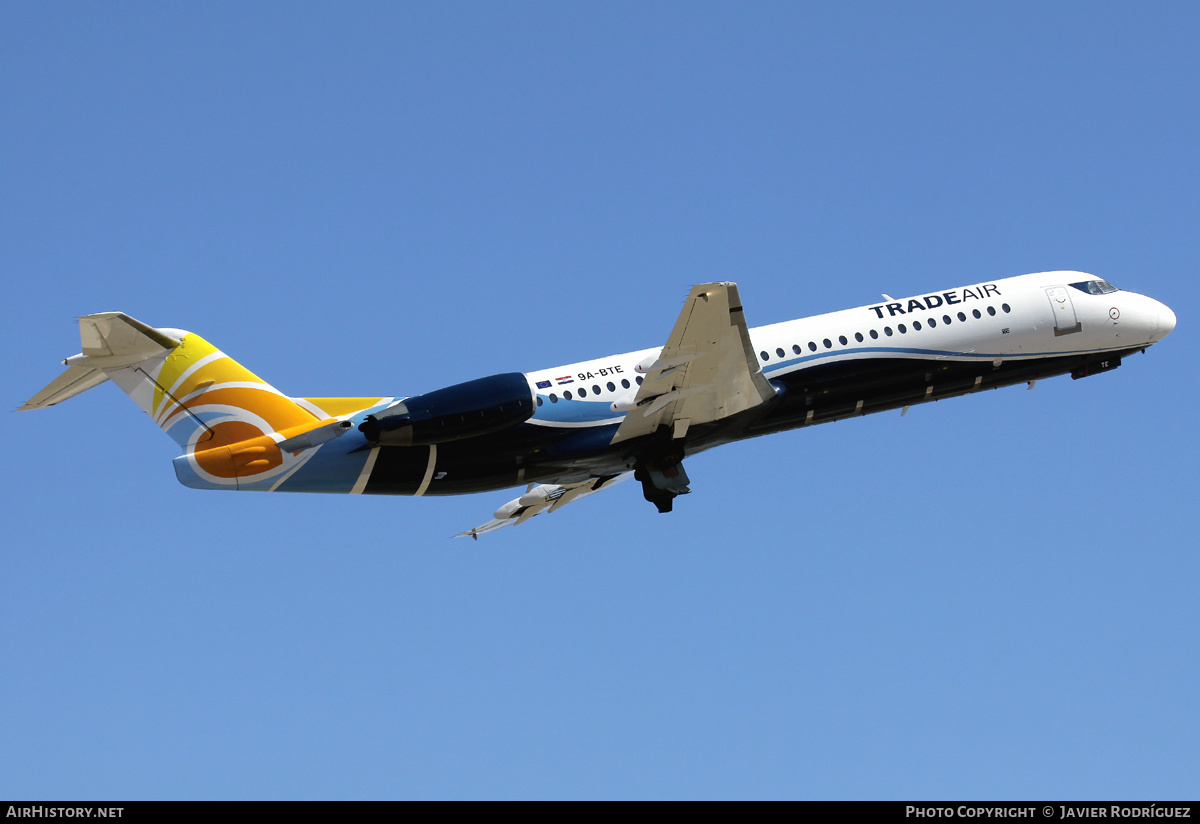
x=543 y=498
x=706 y=371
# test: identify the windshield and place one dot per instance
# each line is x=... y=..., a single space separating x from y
x=1095 y=287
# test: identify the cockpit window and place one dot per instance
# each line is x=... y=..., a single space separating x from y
x=1095 y=287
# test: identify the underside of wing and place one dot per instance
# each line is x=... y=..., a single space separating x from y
x=542 y=498
x=706 y=371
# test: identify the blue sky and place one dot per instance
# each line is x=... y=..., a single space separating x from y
x=993 y=597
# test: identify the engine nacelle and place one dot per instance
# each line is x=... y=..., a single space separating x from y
x=465 y=410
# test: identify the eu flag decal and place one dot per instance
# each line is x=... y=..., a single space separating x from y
x=543 y=384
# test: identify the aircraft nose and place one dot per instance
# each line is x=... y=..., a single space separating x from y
x=1141 y=317
x=1166 y=321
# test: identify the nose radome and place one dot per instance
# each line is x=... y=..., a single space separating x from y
x=1166 y=321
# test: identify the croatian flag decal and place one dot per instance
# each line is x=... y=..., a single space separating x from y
x=567 y=379
x=543 y=384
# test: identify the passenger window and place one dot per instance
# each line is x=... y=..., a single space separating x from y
x=902 y=328
x=916 y=326
x=567 y=395
x=582 y=392
x=812 y=347
x=874 y=335
x=624 y=383
x=975 y=312
x=858 y=337
x=539 y=400
x=828 y=345
x=992 y=311
x=961 y=316
x=763 y=354
x=1006 y=308
x=779 y=353
x=595 y=389
x=887 y=330
x=842 y=340
x=796 y=349
x=553 y=398
x=639 y=377
x=612 y=387
x=932 y=323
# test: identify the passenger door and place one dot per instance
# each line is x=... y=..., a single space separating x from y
x=1065 y=320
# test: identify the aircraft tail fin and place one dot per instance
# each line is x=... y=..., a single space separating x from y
x=196 y=393
x=108 y=339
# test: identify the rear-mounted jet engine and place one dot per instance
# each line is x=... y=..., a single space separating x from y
x=465 y=410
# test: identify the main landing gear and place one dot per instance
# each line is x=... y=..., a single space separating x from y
x=663 y=478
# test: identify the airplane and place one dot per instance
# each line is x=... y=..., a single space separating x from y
x=570 y=431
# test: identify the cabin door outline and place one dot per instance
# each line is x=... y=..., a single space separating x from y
x=1066 y=322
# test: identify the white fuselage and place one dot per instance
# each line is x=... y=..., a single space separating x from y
x=1019 y=318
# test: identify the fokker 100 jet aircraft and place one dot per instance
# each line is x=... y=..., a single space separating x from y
x=572 y=430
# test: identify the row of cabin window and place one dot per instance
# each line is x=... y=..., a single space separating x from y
x=612 y=387
x=887 y=330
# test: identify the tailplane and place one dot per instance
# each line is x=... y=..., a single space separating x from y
x=110 y=340
x=219 y=412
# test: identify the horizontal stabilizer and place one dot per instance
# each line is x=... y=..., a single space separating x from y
x=67 y=385
x=112 y=339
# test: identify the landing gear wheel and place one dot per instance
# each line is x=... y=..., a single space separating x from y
x=663 y=480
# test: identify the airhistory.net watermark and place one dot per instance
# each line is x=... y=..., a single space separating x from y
x=41 y=811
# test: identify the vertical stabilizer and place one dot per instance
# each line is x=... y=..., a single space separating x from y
x=227 y=419
x=196 y=393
